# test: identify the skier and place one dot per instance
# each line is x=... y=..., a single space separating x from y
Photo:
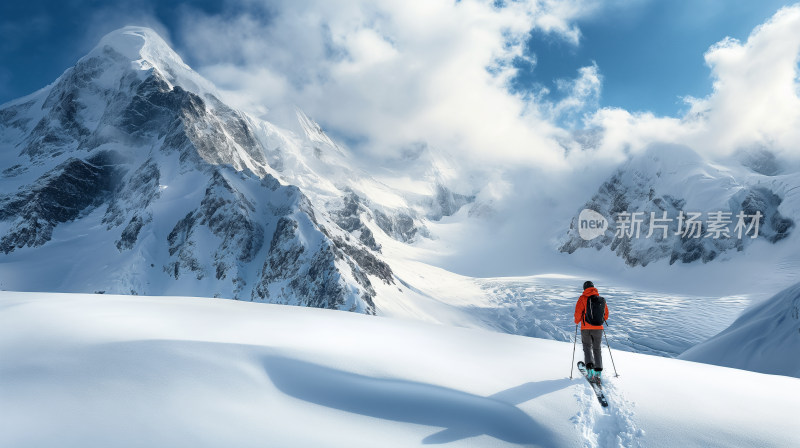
x=588 y=312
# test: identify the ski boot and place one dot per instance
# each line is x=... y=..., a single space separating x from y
x=590 y=372
x=595 y=376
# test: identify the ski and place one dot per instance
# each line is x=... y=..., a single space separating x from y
x=598 y=389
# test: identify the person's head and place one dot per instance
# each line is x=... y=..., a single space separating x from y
x=587 y=284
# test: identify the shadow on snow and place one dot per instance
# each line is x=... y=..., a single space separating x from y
x=462 y=414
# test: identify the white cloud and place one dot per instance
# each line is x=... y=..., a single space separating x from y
x=624 y=133
x=580 y=95
x=755 y=101
x=402 y=74
x=395 y=73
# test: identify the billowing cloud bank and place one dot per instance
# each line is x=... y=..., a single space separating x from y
x=754 y=103
x=392 y=75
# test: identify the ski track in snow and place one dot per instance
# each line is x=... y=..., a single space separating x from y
x=600 y=427
x=641 y=322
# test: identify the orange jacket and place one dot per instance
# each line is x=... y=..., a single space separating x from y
x=580 y=307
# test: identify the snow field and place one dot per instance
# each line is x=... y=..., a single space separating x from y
x=101 y=370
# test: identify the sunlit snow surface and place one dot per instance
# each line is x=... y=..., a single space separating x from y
x=766 y=338
x=642 y=322
x=90 y=370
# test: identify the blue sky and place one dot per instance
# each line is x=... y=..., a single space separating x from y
x=649 y=53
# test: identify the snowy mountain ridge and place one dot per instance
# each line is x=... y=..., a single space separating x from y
x=134 y=144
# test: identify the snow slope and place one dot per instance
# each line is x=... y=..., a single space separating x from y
x=100 y=370
x=766 y=338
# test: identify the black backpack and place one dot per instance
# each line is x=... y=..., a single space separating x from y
x=595 y=310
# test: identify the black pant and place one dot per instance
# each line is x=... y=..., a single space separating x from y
x=591 y=340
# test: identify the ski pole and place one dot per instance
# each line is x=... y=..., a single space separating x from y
x=572 y=366
x=609 y=354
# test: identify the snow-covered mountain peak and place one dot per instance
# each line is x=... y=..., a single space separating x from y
x=666 y=156
x=132 y=142
x=145 y=49
x=135 y=42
